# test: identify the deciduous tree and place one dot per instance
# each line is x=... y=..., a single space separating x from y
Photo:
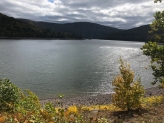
x=155 y=48
x=127 y=92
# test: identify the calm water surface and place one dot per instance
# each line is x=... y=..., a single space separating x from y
x=69 y=67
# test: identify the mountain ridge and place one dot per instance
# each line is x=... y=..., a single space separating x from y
x=90 y=30
x=135 y=34
x=76 y=30
x=86 y=29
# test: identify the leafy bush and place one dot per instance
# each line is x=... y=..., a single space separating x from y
x=9 y=95
x=156 y=53
x=25 y=107
x=155 y=48
x=127 y=93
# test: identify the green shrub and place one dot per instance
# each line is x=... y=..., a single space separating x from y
x=29 y=101
x=27 y=109
x=127 y=92
x=9 y=95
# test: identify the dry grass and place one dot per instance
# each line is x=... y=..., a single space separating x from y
x=153 y=114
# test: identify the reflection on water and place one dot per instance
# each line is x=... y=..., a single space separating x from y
x=70 y=67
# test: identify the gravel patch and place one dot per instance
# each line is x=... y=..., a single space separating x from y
x=95 y=100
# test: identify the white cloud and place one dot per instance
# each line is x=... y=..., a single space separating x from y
x=116 y=13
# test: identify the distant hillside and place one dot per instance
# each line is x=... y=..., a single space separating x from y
x=22 y=28
x=96 y=31
x=134 y=34
x=86 y=29
x=14 y=28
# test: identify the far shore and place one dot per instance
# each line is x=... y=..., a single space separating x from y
x=100 y=99
x=35 y=38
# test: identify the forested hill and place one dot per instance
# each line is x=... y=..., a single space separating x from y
x=134 y=34
x=22 y=28
x=95 y=31
x=15 y=28
x=86 y=29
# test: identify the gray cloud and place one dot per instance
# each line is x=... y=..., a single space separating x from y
x=122 y=14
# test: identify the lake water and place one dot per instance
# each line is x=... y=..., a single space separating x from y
x=69 y=67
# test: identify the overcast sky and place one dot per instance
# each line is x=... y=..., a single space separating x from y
x=123 y=14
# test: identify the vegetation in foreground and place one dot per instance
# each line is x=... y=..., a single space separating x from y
x=29 y=110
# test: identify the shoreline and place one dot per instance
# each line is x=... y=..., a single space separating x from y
x=37 y=38
x=100 y=99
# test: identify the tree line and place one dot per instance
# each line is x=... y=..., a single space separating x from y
x=11 y=27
